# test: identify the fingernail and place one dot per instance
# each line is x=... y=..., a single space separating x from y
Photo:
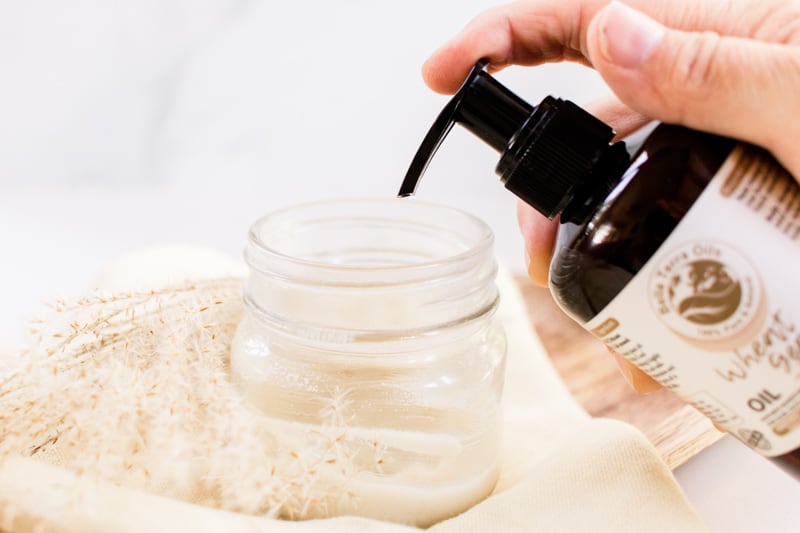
x=628 y=37
x=624 y=368
x=537 y=269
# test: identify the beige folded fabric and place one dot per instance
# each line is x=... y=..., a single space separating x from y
x=561 y=471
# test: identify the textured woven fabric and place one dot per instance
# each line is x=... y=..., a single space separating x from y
x=561 y=471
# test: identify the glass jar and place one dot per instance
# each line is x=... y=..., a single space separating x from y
x=374 y=320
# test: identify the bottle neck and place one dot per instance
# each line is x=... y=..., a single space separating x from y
x=560 y=158
x=605 y=175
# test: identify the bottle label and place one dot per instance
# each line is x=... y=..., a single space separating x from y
x=714 y=315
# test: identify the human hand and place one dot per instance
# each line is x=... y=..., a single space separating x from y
x=723 y=66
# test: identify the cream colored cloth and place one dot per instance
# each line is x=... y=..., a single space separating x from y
x=561 y=470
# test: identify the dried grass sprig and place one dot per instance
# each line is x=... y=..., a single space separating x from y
x=135 y=388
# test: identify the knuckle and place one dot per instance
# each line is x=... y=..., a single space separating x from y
x=694 y=69
x=778 y=22
x=789 y=32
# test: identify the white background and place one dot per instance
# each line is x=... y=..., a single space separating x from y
x=130 y=124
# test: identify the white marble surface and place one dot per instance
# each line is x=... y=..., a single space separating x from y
x=128 y=124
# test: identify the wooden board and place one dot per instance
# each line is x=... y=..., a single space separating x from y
x=677 y=430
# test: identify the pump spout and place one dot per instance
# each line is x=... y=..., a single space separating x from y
x=484 y=107
x=432 y=141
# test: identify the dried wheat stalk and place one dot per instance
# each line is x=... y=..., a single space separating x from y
x=135 y=389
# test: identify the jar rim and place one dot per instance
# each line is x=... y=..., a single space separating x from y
x=483 y=241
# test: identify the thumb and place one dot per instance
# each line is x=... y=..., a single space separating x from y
x=731 y=86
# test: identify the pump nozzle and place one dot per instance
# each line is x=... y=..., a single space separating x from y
x=484 y=107
x=548 y=151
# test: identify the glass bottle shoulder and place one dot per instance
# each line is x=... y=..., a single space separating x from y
x=596 y=258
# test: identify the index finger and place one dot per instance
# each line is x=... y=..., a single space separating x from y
x=538 y=31
x=521 y=33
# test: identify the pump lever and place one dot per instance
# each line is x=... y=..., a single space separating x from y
x=436 y=135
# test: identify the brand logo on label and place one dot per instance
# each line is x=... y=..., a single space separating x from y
x=705 y=291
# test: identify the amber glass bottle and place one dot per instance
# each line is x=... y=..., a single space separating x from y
x=601 y=254
x=682 y=258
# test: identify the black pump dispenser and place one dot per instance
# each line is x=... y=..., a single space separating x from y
x=551 y=153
